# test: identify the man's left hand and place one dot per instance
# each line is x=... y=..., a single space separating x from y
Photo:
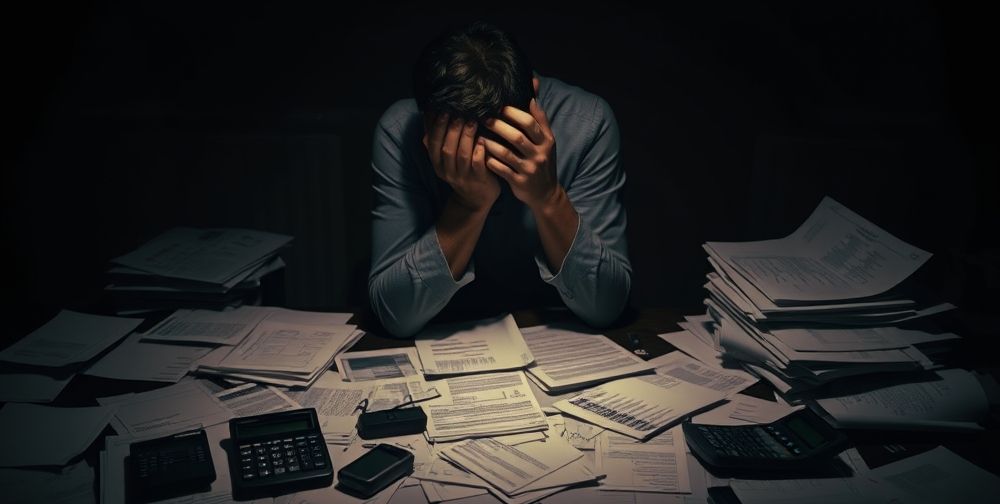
x=530 y=168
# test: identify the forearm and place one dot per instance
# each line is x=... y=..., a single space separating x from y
x=557 y=223
x=458 y=229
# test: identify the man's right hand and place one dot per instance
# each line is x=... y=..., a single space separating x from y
x=459 y=159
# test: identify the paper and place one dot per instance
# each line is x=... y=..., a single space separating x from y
x=938 y=475
x=71 y=484
x=482 y=405
x=797 y=491
x=378 y=364
x=68 y=338
x=687 y=342
x=472 y=347
x=954 y=401
x=336 y=405
x=581 y=435
x=170 y=409
x=658 y=465
x=390 y=393
x=227 y=327
x=135 y=359
x=38 y=388
x=834 y=255
x=46 y=435
x=565 y=358
x=684 y=368
x=639 y=406
x=511 y=468
x=745 y=410
x=205 y=255
x=255 y=399
x=312 y=318
x=854 y=339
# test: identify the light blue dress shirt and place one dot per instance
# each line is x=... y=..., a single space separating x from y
x=410 y=281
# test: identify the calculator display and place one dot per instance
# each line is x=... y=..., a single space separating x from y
x=267 y=428
x=805 y=431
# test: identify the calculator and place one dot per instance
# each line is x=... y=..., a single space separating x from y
x=169 y=466
x=793 y=441
x=278 y=453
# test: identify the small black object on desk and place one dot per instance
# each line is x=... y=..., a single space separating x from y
x=170 y=466
x=370 y=473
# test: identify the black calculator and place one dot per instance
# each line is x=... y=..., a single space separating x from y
x=169 y=466
x=796 y=440
x=277 y=453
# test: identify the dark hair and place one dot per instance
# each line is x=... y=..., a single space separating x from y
x=472 y=72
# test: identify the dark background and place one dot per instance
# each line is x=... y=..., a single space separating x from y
x=736 y=119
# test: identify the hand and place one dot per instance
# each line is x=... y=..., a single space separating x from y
x=460 y=160
x=530 y=168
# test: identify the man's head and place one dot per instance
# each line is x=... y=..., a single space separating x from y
x=472 y=72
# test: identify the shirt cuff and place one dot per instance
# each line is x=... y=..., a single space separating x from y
x=430 y=267
x=582 y=259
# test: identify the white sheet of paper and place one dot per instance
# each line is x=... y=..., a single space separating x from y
x=689 y=343
x=287 y=348
x=255 y=399
x=472 y=347
x=511 y=468
x=658 y=465
x=69 y=338
x=336 y=405
x=135 y=359
x=834 y=255
x=639 y=406
x=679 y=365
x=566 y=357
x=204 y=255
x=854 y=339
x=939 y=475
x=956 y=401
x=278 y=314
x=46 y=435
x=482 y=405
x=71 y=484
x=378 y=364
x=745 y=410
x=166 y=410
x=37 y=388
x=797 y=491
x=227 y=327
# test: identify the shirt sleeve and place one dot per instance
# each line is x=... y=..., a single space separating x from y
x=409 y=281
x=595 y=277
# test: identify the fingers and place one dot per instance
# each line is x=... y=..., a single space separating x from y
x=539 y=115
x=524 y=122
x=503 y=171
x=434 y=139
x=503 y=154
x=449 y=149
x=463 y=161
x=479 y=156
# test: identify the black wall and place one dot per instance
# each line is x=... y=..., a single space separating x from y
x=736 y=119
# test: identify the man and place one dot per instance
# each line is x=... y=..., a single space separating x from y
x=475 y=210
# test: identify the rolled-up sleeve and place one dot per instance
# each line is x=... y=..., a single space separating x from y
x=409 y=281
x=596 y=276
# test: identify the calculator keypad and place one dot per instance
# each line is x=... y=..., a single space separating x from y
x=757 y=443
x=276 y=457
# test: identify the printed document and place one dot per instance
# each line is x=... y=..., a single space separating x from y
x=482 y=405
x=46 y=435
x=378 y=364
x=511 y=468
x=640 y=406
x=135 y=359
x=565 y=358
x=166 y=410
x=657 y=465
x=472 y=347
x=834 y=255
x=684 y=368
x=68 y=338
x=208 y=326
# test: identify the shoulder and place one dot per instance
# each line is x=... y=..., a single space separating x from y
x=574 y=109
x=399 y=118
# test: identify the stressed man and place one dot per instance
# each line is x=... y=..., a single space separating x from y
x=475 y=207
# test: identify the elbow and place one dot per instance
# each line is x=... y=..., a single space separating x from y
x=394 y=318
x=608 y=302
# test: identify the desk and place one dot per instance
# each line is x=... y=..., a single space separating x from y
x=877 y=447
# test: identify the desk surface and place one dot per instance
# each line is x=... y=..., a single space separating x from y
x=877 y=447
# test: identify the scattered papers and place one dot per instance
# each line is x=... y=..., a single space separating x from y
x=954 y=400
x=640 y=406
x=212 y=256
x=166 y=410
x=684 y=368
x=69 y=338
x=135 y=359
x=37 y=388
x=745 y=410
x=72 y=484
x=378 y=364
x=336 y=404
x=483 y=406
x=511 y=468
x=938 y=475
x=834 y=255
x=472 y=347
x=658 y=465
x=255 y=399
x=227 y=327
x=566 y=359
x=580 y=435
x=37 y=435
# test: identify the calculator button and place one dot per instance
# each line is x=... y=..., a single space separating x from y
x=264 y=473
x=293 y=468
x=306 y=465
x=279 y=470
x=796 y=451
x=319 y=463
x=249 y=475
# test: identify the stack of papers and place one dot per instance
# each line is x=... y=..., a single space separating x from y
x=482 y=405
x=814 y=307
x=568 y=358
x=473 y=347
x=281 y=353
x=194 y=268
